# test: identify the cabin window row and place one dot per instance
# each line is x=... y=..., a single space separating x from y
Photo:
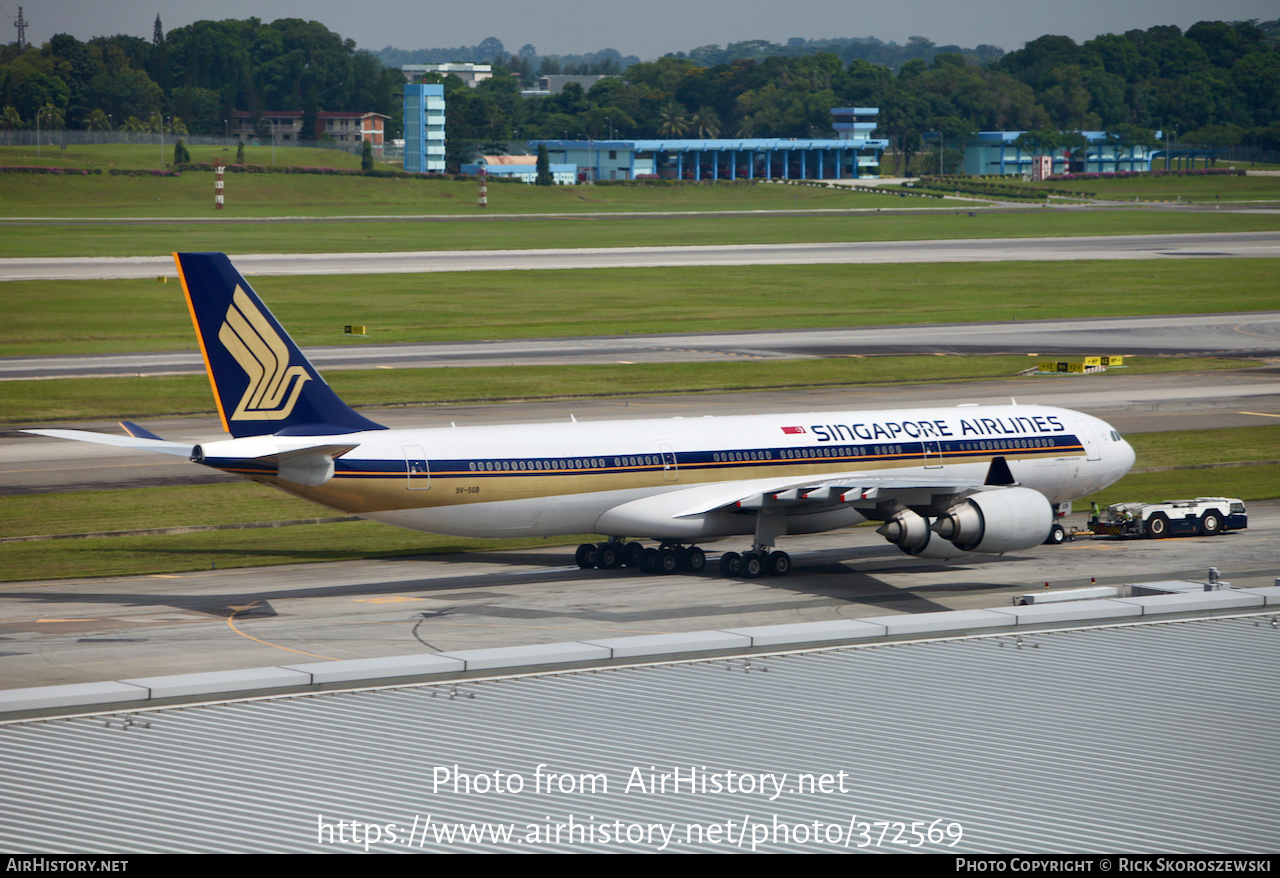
x=551 y=465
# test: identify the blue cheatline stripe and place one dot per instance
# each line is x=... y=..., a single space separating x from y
x=914 y=453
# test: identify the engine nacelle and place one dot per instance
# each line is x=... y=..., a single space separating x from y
x=911 y=533
x=997 y=521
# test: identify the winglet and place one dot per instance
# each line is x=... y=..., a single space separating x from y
x=261 y=381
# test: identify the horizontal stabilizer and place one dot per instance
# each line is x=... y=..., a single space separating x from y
x=179 y=449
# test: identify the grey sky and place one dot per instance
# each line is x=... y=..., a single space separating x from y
x=647 y=29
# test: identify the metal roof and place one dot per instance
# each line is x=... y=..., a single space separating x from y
x=1146 y=736
x=712 y=145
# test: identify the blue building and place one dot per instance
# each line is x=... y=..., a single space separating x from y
x=852 y=153
x=424 y=128
x=521 y=167
x=993 y=152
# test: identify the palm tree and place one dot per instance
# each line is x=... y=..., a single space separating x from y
x=672 y=120
x=706 y=123
x=11 y=120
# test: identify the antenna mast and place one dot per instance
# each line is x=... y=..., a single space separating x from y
x=21 y=25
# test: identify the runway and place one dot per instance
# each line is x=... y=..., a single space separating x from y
x=1176 y=246
x=1253 y=334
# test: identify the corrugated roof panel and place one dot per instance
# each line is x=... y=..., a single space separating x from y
x=1136 y=737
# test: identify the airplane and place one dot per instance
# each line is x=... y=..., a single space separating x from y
x=942 y=481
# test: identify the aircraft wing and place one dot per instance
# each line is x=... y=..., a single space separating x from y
x=137 y=443
x=852 y=489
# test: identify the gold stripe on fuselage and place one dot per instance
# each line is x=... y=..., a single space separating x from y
x=362 y=492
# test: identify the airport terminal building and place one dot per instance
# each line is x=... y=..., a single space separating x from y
x=993 y=152
x=851 y=154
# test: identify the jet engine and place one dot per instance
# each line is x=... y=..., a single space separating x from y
x=997 y=521
x=912 y=534
x=994 y=522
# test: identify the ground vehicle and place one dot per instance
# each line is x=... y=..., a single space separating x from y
x=1172 y=518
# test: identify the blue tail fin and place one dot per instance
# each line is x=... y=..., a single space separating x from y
x=261 y=381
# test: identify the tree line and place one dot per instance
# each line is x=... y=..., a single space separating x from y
x=1216 y=84
x=192 y=78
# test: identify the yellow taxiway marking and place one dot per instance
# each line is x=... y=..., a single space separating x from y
x=1237 y=328
x=231 y=623
x=1260 y=414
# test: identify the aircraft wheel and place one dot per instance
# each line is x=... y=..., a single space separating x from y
x=633 y=554
x=752 y=565
x=649 y=561
x=730 y=565
x=668 y=561
x=1057 y=536
x=778 y=563
x=1158 y=526
x=695 y=559
x=608 y=555
x=1211 y=523
x=586 y=556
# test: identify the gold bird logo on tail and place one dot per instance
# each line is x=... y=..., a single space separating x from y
x=262 y=354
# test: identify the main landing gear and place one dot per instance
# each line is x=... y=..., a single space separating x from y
x=672 y=557
x=669 y=557
x=754 y=563
x=771 y=523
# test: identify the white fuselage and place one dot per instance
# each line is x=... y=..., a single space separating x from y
x=586 y=477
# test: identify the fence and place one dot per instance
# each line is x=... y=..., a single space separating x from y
x=68 y=137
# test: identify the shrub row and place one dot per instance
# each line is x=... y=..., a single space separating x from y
x=648 y=180
x=1172 y=172
x=334 y=172
x=69 y=172
x=986 y=187
x=85 y=172
x=1007 y=193
x=140 y=172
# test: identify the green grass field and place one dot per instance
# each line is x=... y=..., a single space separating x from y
x=82 y=317
x=57 y=239
x=79 y=400
x=271 y=195
x=1215 y=189
x=139 y=156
